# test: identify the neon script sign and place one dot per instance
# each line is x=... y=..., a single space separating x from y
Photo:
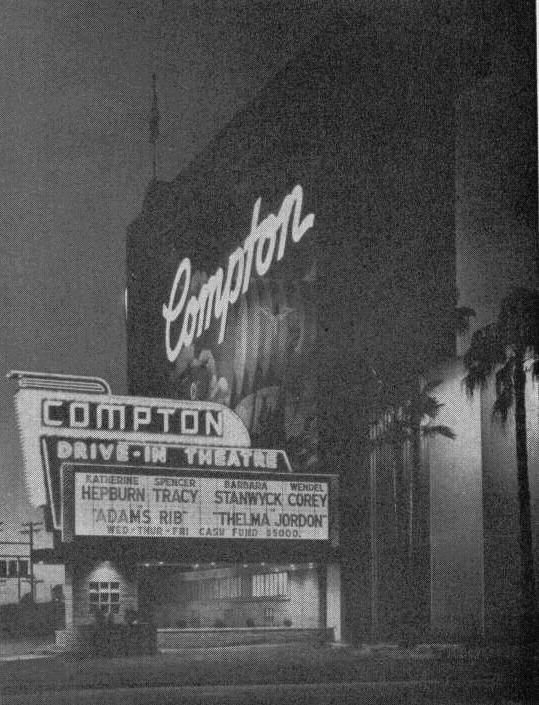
x=265 y=244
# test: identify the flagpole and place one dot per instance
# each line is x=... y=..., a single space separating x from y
x=154 y=127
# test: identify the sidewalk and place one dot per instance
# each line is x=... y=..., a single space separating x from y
x=288 y=663
x=26 y=647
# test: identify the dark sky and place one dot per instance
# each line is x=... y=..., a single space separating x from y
x=75 y=90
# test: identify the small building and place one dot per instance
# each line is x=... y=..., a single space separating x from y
x=15 y=576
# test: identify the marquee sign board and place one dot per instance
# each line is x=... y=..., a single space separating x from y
x=132 y=503
x=76 y=419
x=137 y=467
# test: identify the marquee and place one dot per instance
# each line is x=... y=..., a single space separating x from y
x=135 y=504
x=134 y=467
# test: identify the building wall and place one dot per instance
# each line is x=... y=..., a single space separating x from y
x=475 y=555
x=497 y=249
x=496 y=186
x=402 y=147
x=363 y=120
x=456 y=511
x=501 y=510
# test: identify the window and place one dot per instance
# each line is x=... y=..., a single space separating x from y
x=269 y=616
x=12 y=569
x=23 y=569
x=229 y=588
x=104 y=597
x=3 y=569
x=270 y=585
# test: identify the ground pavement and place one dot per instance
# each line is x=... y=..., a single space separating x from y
x=444 y=669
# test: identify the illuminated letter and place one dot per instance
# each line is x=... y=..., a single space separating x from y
x=111 y=411
x=284 y=220
x=228 y=296
x=208 y=298
x=236 y=260
x=214 y=422
x=46 y=416
x=63 y=450
x=266 y=232
x=171 y=312
x=166 y=414
x=249 y=245
x=189 y=324
x=299 y=229
x=191 y=414
x=79 y=406
x=142 y=415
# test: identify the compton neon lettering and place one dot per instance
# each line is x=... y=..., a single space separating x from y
x=265 y=244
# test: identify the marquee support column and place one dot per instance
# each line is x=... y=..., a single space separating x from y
x=68 y=595
x=333 y=599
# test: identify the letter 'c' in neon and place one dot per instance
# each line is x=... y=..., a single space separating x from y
x=172 y=312
x=220 y=292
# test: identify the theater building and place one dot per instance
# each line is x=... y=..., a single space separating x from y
x=321 y=243
x=317 y=248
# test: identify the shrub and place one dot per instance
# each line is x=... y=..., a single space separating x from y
x=219 y=623
x=109 y=639
x=29 y=618
x=181 y=624
x=250 y=622
x=131 y=616
x=287 y=622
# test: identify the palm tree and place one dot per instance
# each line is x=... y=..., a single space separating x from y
x=504 y=348
x=408 y=422
x=409 y=417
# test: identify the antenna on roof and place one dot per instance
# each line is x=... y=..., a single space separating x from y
x=154 y=127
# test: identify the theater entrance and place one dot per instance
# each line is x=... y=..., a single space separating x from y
x=218 y=603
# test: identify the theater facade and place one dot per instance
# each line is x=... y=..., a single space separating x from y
x=163 y=509
x=316 y=250
x=313 y=253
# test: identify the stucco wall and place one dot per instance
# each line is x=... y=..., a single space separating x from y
x=474 y=511
x=496 y=191
x=501 y=510
x=456 y=511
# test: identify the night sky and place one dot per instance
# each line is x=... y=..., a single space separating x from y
x=76 y=93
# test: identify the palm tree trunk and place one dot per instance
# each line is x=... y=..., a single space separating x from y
x=412 y=490
x=527 y=583
x=417 y=559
